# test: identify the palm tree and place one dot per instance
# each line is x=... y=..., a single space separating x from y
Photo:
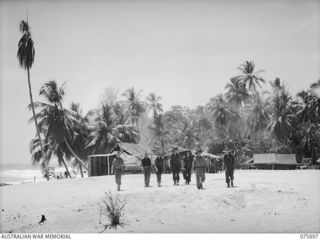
x=249 y=76
x=80 y=135
x=135 y=107
x=55 y=121
x=221 y=113
x=158 y=133
x=309 y=118
x=51 y=148
x=281 y=116
x=106 y=132
x=26 y=54
x=258 y=112
x=237 y=92
x=188 y=135
x=154 y=104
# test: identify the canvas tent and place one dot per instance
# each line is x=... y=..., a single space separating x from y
x=101 y=164
x=275 y=161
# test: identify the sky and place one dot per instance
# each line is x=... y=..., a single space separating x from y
x=184 y=51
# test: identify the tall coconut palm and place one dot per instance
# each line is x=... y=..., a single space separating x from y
x=26 y=54
x=237 y=92
x=154 y=104
x=135 y=106
x=54 y=120
x=249 y=76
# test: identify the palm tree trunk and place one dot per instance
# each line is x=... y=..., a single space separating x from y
x=65 y=165
x=74 y=154
x=137 y=125
x=44 y=159
x=80 y=166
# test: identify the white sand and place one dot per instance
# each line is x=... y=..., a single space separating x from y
x=262 y=201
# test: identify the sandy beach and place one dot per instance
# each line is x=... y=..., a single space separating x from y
x=261 y=202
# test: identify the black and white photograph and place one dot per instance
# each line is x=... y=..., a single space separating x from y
x=151 y=117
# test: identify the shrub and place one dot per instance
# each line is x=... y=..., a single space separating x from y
x=113 y=208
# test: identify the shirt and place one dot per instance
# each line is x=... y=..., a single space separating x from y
x=118 y=163
x=199 y=162
x=159 y=162
x=175 y=161
x=188 y=161
x=146 y=162
x=228 y=161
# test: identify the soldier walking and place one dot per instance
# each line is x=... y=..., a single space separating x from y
x=159 y=167
x=175 y=165
x=118 y=168
x=229 y=166
x=199 y=166
x=188 y=159
x=146 y=165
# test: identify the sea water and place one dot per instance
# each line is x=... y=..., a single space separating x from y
x=18 y=173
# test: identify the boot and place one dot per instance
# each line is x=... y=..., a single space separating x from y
x=228 y=185
x=118 y=187
x=231 y=183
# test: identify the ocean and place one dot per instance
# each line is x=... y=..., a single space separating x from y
x=18 y=173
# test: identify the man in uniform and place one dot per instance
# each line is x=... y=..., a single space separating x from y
x=118 y=167
x=187 y=160
x=199 y=166
x=159 y=167
x=175 y=165
x=146 y=165
x=229 y=166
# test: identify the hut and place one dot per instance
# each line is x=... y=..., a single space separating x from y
x=275 y=161
x=101 y=164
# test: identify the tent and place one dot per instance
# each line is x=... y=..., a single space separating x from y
x=275 y=161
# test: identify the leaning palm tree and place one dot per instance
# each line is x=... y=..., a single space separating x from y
x=154 y=104
x=26 y=54
x=54 y=120
x=249 y=76
x=135 y=106
x=51 y=148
